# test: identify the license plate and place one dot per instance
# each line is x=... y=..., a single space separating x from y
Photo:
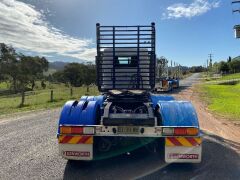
x=128 y=130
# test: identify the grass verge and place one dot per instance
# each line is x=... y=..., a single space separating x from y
x=223 y=99
x=221 y=78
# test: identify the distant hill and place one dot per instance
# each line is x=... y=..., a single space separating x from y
x=57 y=65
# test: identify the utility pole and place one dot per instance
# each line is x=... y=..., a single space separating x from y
x=207 y=66
x=179 y=72
x=167 y=71
x=210 y=56
x=171 y=69
x=174 y=69
x=210 y=61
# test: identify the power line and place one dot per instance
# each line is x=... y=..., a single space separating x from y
x=235 y=10
x=234 y=2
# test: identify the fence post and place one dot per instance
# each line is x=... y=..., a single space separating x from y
x=51 y=98
x=23 y=98
x=71 y=92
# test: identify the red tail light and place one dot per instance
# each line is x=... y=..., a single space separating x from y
x=180 y=131
x=76 y=130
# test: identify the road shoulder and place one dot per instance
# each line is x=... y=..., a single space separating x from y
x=209 y=122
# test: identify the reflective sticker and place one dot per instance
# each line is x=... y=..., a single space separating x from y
x=67 y=139
x=183 y=141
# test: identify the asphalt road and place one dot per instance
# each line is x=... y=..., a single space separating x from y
x=189 y=81
x=28 y=150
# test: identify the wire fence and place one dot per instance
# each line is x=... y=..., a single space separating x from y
x=57 y=96
x=43 y=98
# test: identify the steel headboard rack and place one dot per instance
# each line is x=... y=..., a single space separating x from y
x=115 y=41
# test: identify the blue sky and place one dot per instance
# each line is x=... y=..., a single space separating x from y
x=187 y=30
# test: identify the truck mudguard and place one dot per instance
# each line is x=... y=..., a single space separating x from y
x=178 y=113
x=156 y=98
x=81 y=112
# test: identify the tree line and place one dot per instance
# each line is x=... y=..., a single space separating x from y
x=197 y=69
x=226 y=67
x=20 y=70
x=23 y=71
x=76 y=75
x=223 y=67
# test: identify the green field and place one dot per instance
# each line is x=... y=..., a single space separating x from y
x=223 y=99
x=40 y=99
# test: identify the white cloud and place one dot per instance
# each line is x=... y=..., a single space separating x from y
x=22 y=26
x=196 y=8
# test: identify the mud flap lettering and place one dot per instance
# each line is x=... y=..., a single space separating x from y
x=183 y=156
x=77 y=153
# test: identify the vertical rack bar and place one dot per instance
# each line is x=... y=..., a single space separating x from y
x=153 y=55
x=114 y=58
x=138 y=60
x=98 y=53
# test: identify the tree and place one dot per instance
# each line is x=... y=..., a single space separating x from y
x=58 y=76
x=34 y=67
x=74 y=74
x=90 y=75
x=224 y=67
x=229 y=59
x=215 y=67
x=19 y=69
x=235 y=65
x=210 y=65
x=30 y=68
x=195 y=69
x=9 y=64
x=43 y=85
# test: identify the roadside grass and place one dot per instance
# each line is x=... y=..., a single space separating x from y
x=223 y=99
x=208 y=77
x=231 y=76
x=40 y=99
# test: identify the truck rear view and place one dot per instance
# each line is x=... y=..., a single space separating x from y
x=126 y=113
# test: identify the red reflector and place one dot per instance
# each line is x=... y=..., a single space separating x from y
x=180 y=131
x=77 y=130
